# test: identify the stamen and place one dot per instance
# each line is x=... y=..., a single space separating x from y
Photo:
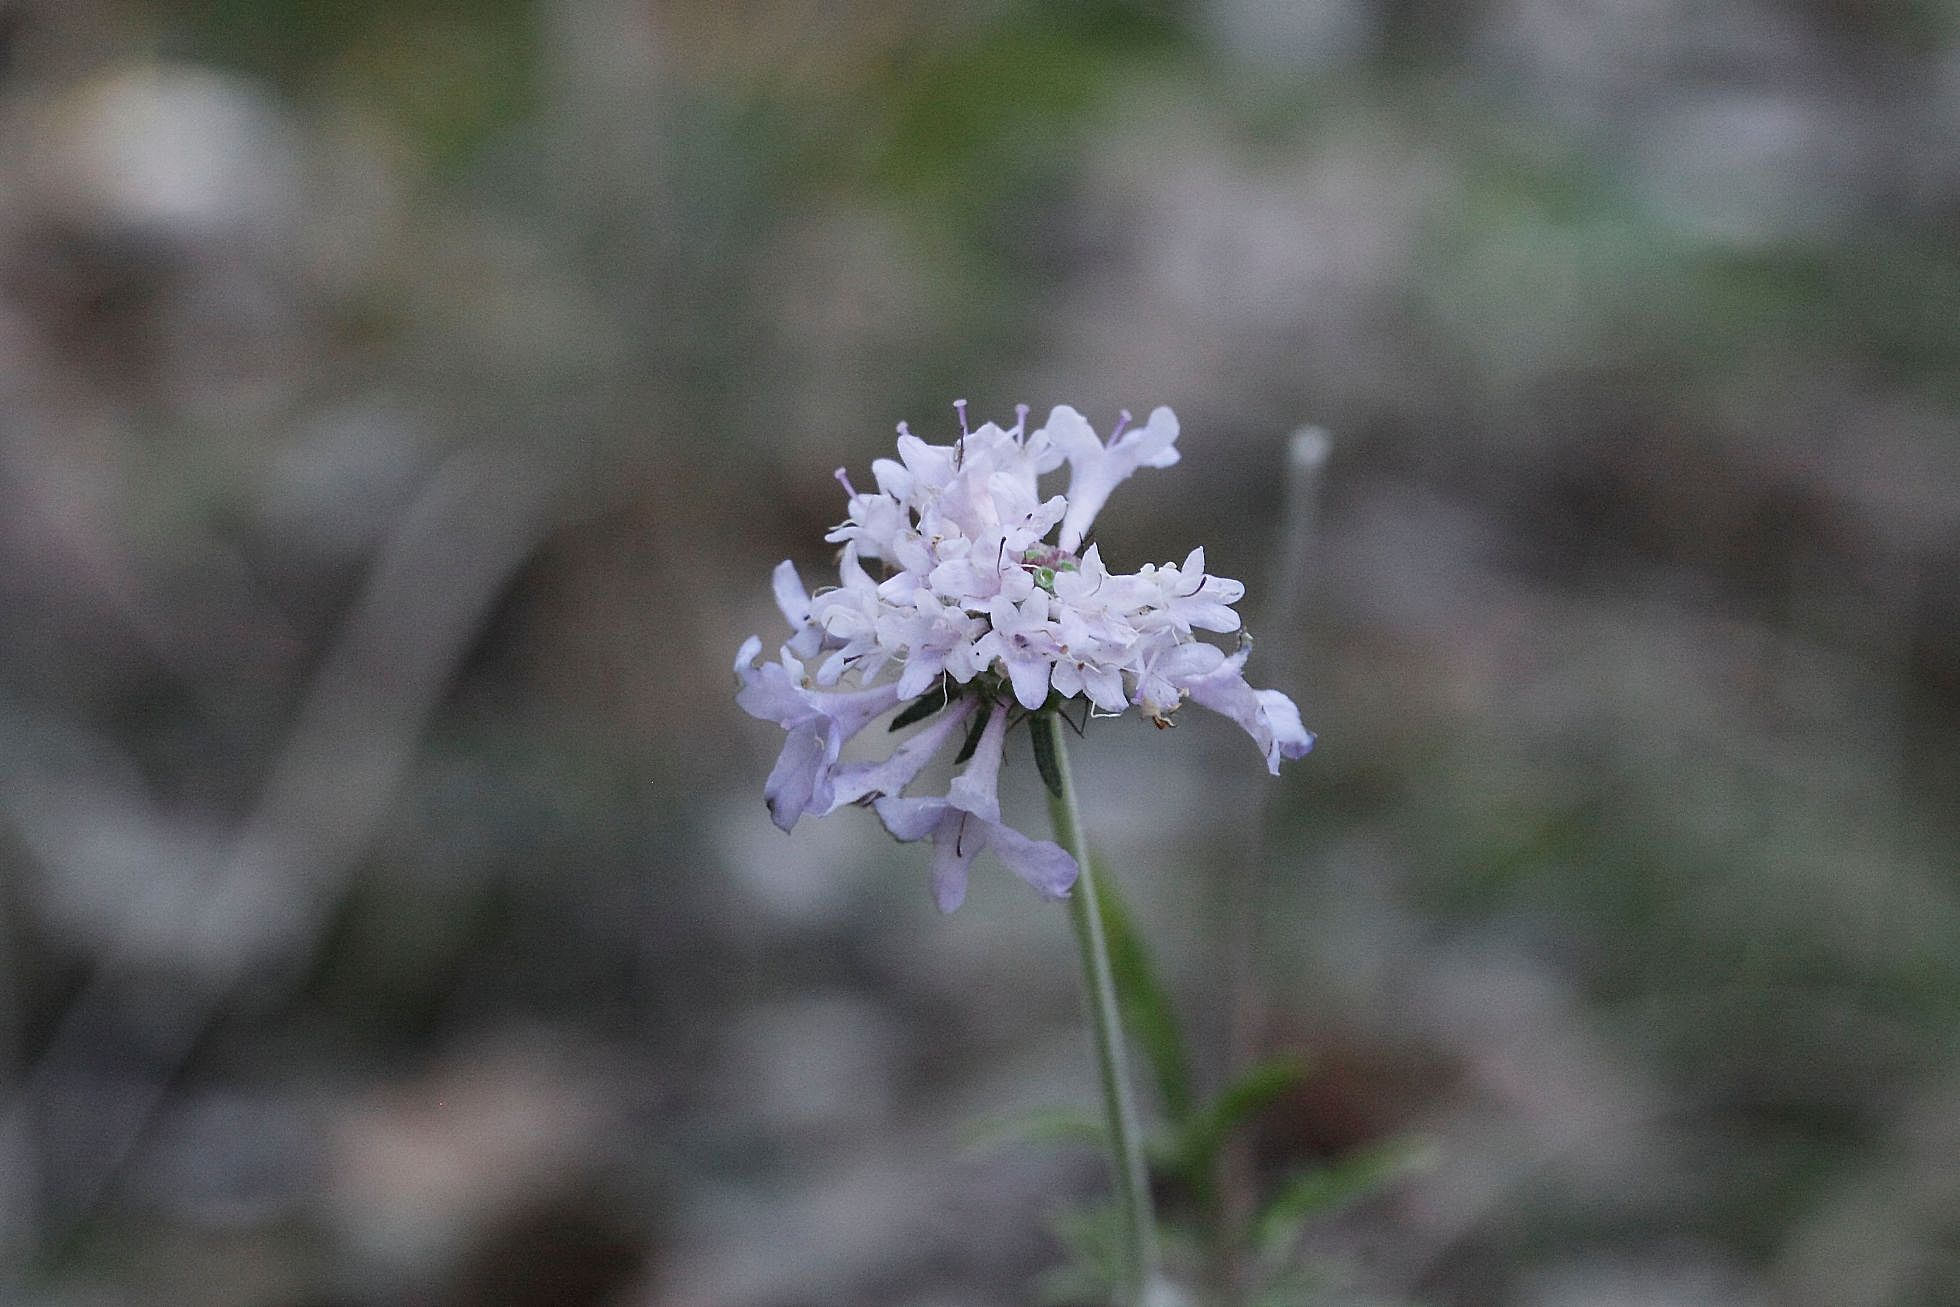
x=904 y=429
x=959 y=837
x=844 y=479
x=1122 y=421
x=1020 y=419
x=959 y=406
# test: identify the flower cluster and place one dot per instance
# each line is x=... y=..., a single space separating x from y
x=974 y=614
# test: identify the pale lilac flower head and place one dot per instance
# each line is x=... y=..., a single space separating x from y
x=966 y=595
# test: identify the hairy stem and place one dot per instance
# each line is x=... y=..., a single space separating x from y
x=1140 y=1261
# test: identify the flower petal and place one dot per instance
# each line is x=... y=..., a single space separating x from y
x=1155 y=443
x=1290 y=739
x=767 y=692
x=891 y=775
x=923 y=668
x=792 y=783
x=1045 y=865
x=1096 y=469
x=791 y=597
x=910 y=819
x=1269 y=717
x=959 y=837
x=977 y=789
x=1029 y=672
x=1105 y=687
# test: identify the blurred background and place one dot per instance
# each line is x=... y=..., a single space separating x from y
x=401 y=407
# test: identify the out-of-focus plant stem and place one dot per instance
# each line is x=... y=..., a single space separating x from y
x=1140 y=1263
x=1231 y=1198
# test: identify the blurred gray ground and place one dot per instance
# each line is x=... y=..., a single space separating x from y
x=401 y=406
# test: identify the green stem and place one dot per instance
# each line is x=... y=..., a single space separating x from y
x=1140 y=1262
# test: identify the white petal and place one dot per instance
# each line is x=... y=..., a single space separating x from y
x=1069 y=431
x=1208 y=616
x=850 y=711
x=792 y=783
x=910 y=819
x=1030 y=676
x=1268 y=716
x=1189 y=660
x=1088 y=491
x=892 y=478
x=1224 y=589
x=921 y=670
x=1290 y=738
x=977 y=789
x=891 y=775
x=1042 y=864
x=1156 y=443
x=958 y=838
x=1066 y=679
x=851 y=572
x=791 y=597
x=769 y=695
x=1105 y=686
x=833 y=667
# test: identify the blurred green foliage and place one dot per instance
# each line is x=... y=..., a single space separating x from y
x=448 y=75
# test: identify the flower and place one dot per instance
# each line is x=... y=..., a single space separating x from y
x=818 y=722
x=974 y=619
x=1096 y=468
x=958 y=835
x=967 y=820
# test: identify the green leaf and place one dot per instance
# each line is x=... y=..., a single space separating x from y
x=1256 y=1089
x=1091 y=1236
x=1047 y=1125
x=1261 y=1085
x=924 y=706
x=1092 y=1240
x=1321 y=1189
x=973 y=734
x=1147 y=1011
x=1041 y=730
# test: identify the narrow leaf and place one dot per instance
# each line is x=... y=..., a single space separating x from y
x=1262 y=1084
x=1147 y=1011
x=923 y=707
x=1255 y=1090
x=1316 y=1192
x=973 y=734
x=1041 y=730
x=1091 y=1236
